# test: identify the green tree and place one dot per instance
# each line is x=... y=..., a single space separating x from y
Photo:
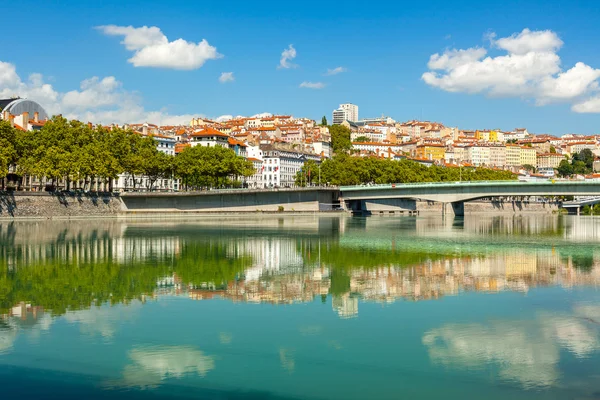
x=586 y=156
x=324 y=121
x=8 y=149
x=565 y=168
x=579 y=167
x=309 y=174
x=201 y=166
x=362 y=139
x=340 y=138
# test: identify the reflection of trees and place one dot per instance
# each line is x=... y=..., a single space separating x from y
x=582 y=258
x=202 y=262
x=60 y=284
x=340 y=282
x=338 y=256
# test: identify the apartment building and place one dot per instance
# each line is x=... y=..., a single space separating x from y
x=346 y=112
x=528 y=156
x=280 y=166
x=549 y=160
x=431 y=152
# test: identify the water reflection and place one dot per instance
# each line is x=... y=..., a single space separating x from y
x=526 y=351
x=146 y=292
x=152 y=365
x=62 y=265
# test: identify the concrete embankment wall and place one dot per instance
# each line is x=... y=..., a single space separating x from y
x=409 y=206
x=510 y=207
x=239 y=201
x=49 y=205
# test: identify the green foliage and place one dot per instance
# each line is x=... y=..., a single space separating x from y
x=324 y=121
x=346 y=170
x=8 y=147
x=340 y=282
x=308 y=174
x=362 y=139
x=76 y=152
x=581 y=163
x=340 y=138
x=565 y=168
x=552 y=149
x=60 y=283
x=201 y=166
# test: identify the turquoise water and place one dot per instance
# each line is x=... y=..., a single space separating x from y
x=301 y=308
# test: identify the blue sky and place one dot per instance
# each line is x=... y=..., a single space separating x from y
x=384 y=49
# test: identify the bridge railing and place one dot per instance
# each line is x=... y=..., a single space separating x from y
x=428 y=184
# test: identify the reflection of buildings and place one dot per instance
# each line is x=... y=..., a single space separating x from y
x=131 y=249
x=270 y=255
x=22 y=316
x=282 y=258
x=511 y=270
x=346 y=305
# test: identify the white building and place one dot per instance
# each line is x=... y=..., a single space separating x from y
x=209 y=137
x=256 y=180
x=165 y=143
x=279 y=166
x=346 y=112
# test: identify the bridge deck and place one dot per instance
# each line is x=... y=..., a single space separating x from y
x=448 y=192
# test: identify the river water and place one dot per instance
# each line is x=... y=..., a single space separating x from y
x=302 y=307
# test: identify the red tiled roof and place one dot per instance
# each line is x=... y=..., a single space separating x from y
x=209 y=132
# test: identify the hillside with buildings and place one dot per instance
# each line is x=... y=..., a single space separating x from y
x=279 y=145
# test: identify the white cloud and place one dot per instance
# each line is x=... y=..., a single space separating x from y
x=591 y=105
x=151 y=365
x=263 y=115
x=152 y=48
x=312 y=85
x=531 y=68
x=286 y=57
x=97 y=100
x=102 y=320
x=224 y=118
x=525 y=351
x=335 y=71
x=226 y=77
x=528 y=41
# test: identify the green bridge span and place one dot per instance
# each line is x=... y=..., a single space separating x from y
x=456 y=193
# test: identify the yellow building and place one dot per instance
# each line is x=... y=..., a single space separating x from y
x=431 y=151
x=528 y=156
x=513 y=155
x=496 y=136
x=482 y=135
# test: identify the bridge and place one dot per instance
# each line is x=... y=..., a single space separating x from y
x=455 y=194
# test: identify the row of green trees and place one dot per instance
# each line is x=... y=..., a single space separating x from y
x=345 y=170
x=78 y=155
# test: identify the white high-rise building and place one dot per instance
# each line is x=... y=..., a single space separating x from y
x=346 y=112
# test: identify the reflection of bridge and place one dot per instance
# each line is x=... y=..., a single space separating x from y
x=582 y=201
x=456 y=193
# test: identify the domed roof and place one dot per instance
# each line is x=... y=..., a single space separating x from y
x=19 y=106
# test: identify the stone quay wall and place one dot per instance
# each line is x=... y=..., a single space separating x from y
x=50 y=205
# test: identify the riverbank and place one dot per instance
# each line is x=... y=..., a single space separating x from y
x=44 y=205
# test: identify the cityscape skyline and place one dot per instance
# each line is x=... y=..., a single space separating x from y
x=137 y=65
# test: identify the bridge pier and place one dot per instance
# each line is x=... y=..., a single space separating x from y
x=456 y=209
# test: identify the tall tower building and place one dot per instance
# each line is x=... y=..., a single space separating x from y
x=346 y=112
